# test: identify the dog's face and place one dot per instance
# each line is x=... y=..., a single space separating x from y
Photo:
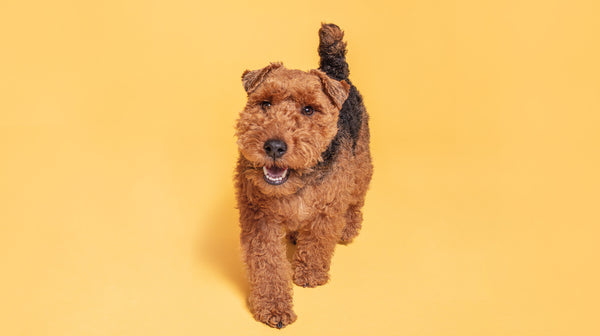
x=289 y=120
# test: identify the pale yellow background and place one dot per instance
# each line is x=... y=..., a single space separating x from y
x=116 y=147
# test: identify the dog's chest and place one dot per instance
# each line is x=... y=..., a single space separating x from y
x=303 y=212
x=297 y=210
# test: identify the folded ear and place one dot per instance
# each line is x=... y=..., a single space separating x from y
x=252 y=79
x=336 y=90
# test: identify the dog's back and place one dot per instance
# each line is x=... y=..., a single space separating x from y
x=353 y=126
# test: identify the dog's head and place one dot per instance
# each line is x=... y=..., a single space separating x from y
x=289 y=121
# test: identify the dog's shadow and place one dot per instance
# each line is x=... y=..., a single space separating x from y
x=218 y=244
x=219 y=247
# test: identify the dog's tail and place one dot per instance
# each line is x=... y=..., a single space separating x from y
x=332 y=50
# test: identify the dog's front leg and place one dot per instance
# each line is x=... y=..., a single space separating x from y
x=315 y=245
x=269 y=272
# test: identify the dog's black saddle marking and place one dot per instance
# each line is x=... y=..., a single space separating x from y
x=349 y=123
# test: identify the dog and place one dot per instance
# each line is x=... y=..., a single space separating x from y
x=303 y=171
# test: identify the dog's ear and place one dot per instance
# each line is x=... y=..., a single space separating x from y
x=252 y=79
x=336 y=90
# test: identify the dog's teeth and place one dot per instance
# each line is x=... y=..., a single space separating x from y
x=275 y=179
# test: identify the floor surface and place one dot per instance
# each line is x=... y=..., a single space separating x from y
x=117 y=150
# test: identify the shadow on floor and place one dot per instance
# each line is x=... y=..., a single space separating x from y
x=219 y=244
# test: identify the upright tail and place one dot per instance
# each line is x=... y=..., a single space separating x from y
x=332 y=50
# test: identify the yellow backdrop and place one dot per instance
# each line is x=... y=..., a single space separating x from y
x=117 y=151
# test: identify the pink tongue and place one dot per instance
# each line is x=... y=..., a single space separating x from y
x=275 y=171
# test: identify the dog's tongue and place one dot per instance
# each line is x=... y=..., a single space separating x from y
x=275 y=171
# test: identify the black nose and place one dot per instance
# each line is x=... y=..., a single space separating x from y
x=275 y=148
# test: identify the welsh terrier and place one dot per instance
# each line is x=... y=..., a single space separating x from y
x=303 y=172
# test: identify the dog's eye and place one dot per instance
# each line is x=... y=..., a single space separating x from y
x=308 y=110
x=265 y=105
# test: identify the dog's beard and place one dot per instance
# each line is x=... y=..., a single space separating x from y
x=281 y=176
x=273 y=177
x=280 y=186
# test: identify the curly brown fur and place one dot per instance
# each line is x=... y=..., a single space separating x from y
x=303 y=172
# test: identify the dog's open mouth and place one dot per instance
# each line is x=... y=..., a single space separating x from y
x=275 y=175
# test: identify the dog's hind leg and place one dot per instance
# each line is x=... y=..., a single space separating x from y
x=354 y=220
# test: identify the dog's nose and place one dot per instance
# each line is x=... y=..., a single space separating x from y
x=275 y=148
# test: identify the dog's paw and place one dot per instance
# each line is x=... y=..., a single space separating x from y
x=352 y=228
x=347 y=238
x=275 y=317
x=307 y=277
